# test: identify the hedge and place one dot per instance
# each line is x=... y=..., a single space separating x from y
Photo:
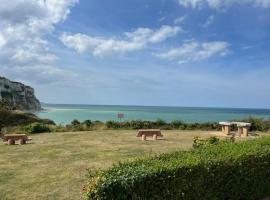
x=6 y=119
x=176 y=124
x=224 y=171
x=257 y=124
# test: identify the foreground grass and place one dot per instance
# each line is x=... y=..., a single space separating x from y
x=53 y=166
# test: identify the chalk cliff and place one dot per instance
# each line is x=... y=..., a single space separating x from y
x=20 y=96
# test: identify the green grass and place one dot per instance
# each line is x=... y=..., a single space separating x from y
x=53 y=166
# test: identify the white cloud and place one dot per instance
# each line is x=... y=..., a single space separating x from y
x=180 y=20
x=41 y=74
x=133 y=41
x=210 y=20
x=163 y=33
x=217 y=4
x=191 y=3
x=24 y=26
x=2 y=41
x=195 y=51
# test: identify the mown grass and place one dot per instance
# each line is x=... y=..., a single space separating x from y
x=53 y=165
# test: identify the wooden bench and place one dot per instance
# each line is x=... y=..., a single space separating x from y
x=154 y=133
x=11 y=138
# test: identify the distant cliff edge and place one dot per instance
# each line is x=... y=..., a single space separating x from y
x=20 y=96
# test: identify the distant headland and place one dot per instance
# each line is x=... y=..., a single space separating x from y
x=18 y=95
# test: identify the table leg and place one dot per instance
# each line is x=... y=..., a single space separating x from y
x=154 y=137
x=143 y=137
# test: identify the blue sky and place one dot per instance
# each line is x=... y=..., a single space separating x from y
x=139 y=52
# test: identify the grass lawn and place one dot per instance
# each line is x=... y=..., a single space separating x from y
x=53 y=166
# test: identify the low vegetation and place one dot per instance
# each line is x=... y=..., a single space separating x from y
x=88 y=125
x=37 y=128
x=258 y=124
x=177 y=124
x=201 y=142
x=223 y=171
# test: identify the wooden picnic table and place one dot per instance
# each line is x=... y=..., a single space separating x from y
x=154 y=133
x=11 y=138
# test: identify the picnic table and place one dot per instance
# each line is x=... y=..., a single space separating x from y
x=242 y=127
x=154 y=133
x=11 y=138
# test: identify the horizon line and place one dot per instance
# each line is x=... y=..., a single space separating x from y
x=211 y=107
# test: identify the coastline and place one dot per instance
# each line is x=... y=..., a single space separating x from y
x=65 y=113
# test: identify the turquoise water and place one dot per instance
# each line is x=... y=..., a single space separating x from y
x=66 y=113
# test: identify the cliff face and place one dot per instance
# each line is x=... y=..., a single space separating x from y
x=19 y=95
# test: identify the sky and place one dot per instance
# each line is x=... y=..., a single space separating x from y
x=202 y=53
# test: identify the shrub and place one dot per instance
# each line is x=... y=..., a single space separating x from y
x=37 y=128
x=223 y=171
x=258 y=124
x=112 y=124
x=59 y=128
x=199 y=142
x=139 y=124
x=166 y=127
x=75 y=122
x=88 y=123
x=160 y=122
x=177 y=124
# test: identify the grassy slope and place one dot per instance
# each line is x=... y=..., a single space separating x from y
x=54 y=165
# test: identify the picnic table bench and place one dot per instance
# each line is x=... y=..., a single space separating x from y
x=11 y=138
x=154 y=133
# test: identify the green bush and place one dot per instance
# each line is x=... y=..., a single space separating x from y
x=75 y=122
x=7 y=119
x=138 y=124
x=200 y=142
x=258 y=124
x=177 y=124
x=161 y=124
x=88 y=123
x=224 y=171
x=112 y=124
x=37 y=128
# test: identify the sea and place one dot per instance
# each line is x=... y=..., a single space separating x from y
x=64 y=114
